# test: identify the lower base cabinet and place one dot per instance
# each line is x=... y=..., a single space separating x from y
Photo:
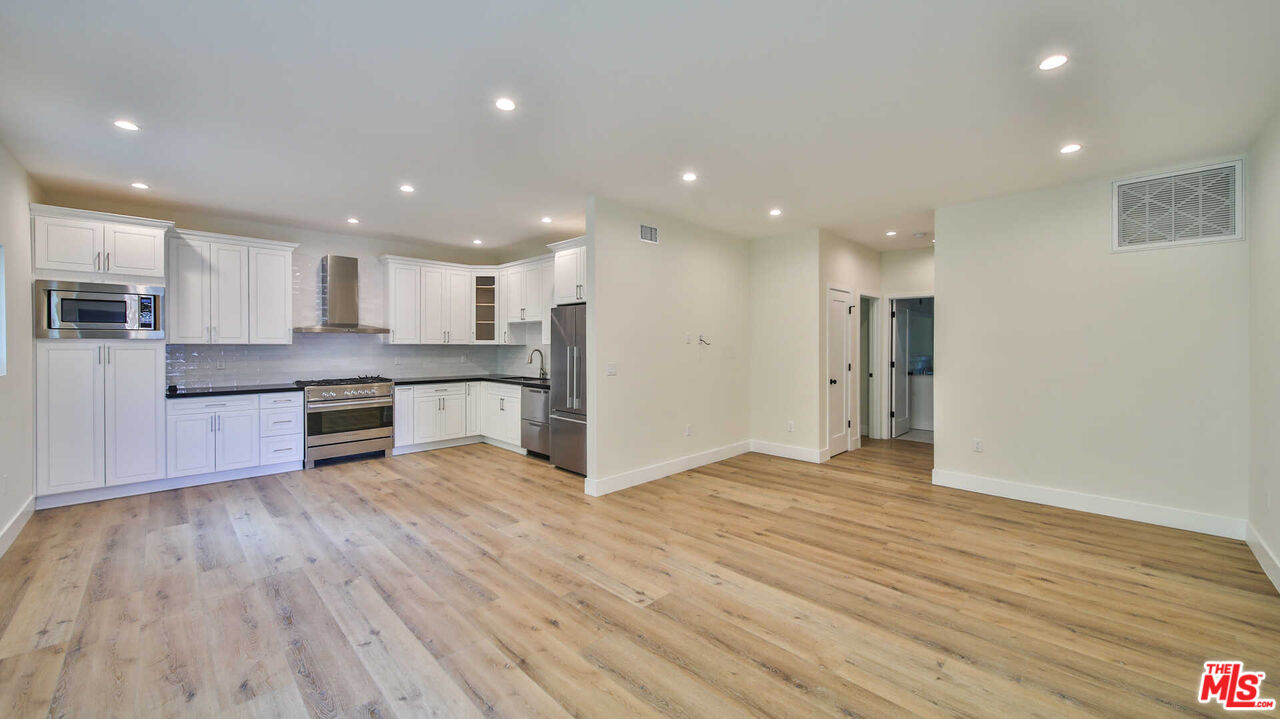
x=439 y=412
x=218 y=434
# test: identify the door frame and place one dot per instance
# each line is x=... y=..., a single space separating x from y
x=874 y=400
x=886 y=390
x=847 y=341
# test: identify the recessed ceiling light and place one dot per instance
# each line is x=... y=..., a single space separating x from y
x=505 y=104
x=1070 y=148
x=546 y=219
x=689 y=176
x=125 y=125
x=476 y=241
x=406 y=188
x=353 y=220
x=140 y=186
x=891 y=233
x=1053 y=62
x=775 y=212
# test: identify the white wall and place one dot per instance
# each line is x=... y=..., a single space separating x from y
x=842 y=264
x=1264 y=339
x=645 y=298
x=1122 y=375
x=905 y=273
x=784 y=314
x=17 y=478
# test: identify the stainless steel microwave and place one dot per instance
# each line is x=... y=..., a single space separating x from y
x=89 y=310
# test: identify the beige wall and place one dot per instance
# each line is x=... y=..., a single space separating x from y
x=1264 y=337
x=783 y=312
x=842 y=264
x=645 y=299
x=907 y=272
x=17 y=393
x=1114 y=374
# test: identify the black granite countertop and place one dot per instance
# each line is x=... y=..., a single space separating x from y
x=175 y=392
x=501 y=379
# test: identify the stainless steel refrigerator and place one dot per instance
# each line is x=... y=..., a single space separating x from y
x=569 y=388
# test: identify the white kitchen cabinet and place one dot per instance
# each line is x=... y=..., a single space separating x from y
x=229 y=294
x=274 y=450
x=190 y=444
x=434 y=301
x=439 y=412
x=229 y=290
x=474 y=395
x=500 y=413
x=133 y=250
x=277 y=422
x=236 y=439
x=82 y=241
x=538 y=278
x=458 y=307
x=134 y=407
x=403 y=416
x=546 y=297
x=485 y=310
x=570 y=274
x=70 y=416
x=513 y=294
x=404 y=304
x=187 y=296
x=270 y=296
x=99 y=413
x=426 y=417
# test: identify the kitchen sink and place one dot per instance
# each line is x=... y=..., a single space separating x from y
x=523 y=379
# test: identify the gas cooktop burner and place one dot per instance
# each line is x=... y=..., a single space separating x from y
x=362 y=379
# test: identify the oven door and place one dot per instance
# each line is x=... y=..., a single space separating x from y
x=92 y=310
x=349 y=421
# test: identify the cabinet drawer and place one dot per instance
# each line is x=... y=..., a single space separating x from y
x=196 y=405
x=279 y=399
x=277 y=422
x=504 y=390
x=280 y=449
x=439 y=390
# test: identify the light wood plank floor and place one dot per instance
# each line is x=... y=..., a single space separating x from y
x=474 y=582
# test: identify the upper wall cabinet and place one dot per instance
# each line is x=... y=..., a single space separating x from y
x=570 y=271
x=229 y=290
x=79 y=241
x=526 y=297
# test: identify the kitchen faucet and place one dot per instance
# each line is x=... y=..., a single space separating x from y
x=542 y=363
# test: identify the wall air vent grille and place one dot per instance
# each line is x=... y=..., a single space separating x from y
x=1204 y=204
x=648 y=234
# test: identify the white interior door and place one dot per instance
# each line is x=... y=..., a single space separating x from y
x=837 y=361
x=901 y=418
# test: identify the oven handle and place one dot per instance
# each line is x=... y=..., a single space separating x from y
x=347 y=404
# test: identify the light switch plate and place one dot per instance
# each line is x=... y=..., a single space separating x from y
x=611 y=369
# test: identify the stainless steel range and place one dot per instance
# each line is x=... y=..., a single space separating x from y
x=348 y=416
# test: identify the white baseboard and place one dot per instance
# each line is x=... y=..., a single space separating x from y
x=97 y=494
x=1266 y=555
x=1214 y=524
x=16 y=523
x=600 y=487
x=504 y=445
x=804 y=454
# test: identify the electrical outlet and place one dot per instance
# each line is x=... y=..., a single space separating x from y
x=688 y=430
x=220 y=364
x=396 y=360
x=791 y=425
x=977 y=444
x=611 y=369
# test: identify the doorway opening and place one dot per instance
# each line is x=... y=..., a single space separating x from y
x=911 y=370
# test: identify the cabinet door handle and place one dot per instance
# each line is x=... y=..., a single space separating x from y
x=108 y=354
x=283 y=421
x=99 y=354
x=219 y=422
x=97 y=261
x=502 y=404
x=282 y=449
x=108 y=262
x=211 y=421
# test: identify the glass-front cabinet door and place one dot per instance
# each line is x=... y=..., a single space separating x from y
x=485 y=291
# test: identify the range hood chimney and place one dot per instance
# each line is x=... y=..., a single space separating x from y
x=340 y=298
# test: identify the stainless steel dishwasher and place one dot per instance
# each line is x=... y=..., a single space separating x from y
x=535 y=433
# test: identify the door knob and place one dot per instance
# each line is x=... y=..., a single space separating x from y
x=832 y=381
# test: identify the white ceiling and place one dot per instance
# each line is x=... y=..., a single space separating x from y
x=855 y=116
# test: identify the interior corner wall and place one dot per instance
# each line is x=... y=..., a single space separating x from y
x=842 y=264
x=1264 y=341
x=647 y=299
x=784 y=312
x=17 y=394
x=1120 y=376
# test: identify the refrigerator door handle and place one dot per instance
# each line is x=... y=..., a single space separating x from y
x=568 y=376
x=576 y=404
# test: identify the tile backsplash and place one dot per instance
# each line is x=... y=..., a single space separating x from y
x=315 y=356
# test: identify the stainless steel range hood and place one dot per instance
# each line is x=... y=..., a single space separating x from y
x=340 y=298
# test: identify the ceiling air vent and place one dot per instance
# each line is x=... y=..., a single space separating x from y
x=648 y=234
x=1187 y=207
